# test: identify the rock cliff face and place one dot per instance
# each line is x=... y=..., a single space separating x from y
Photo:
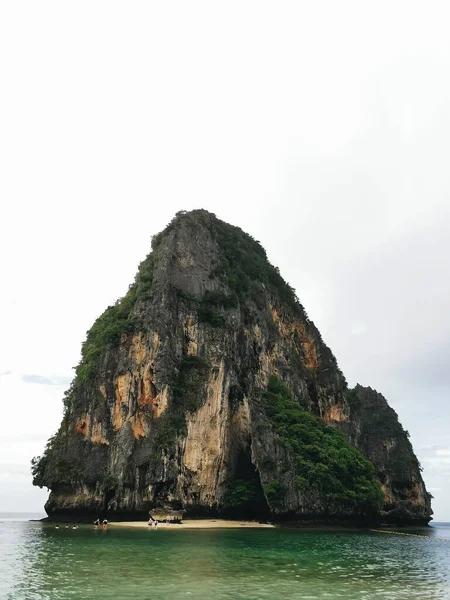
x=207 y=388
x=375 y=430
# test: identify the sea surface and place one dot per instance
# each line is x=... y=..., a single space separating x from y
x=38 y=561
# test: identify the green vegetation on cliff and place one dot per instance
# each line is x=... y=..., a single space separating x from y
x=241 y=497
x=52 y=466
x=380 y=422
x=243 y=268
x=323 y=462
x=116 y=320
x=188 y=389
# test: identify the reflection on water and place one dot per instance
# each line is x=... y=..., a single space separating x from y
x=41 y=562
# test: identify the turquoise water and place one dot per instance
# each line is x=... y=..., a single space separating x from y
x=40 y=562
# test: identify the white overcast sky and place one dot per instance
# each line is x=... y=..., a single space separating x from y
x=321 y=128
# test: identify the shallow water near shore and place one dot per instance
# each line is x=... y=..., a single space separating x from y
x=41 y=562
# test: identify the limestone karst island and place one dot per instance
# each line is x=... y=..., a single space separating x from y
x=206 y=389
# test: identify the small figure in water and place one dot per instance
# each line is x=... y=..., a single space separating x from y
x=67 y=526
x=96 y=523
x=105 y=524
x=56 y=526
x=75 y=527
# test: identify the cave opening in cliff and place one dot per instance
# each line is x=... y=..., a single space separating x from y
x=245 y=498
x=109 y=495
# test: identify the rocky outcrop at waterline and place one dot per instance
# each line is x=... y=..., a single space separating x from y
x=207 y=388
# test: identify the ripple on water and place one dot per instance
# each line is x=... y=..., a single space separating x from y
x=85 y=564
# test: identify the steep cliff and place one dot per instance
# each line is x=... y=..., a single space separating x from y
x=375 y=430
x=207 y=388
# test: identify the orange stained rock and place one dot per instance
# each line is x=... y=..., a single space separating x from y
x=387 y=492
x=336 y=413
x=82 y=426
x=288 y=328
x=310 y=349
x=121 y=386
x=147 y=389
x=96 y=435
x=160 y=403
x=191 y=333
x=137 y=424
x=138 y=348
x=156 y=343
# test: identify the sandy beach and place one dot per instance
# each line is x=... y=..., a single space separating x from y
x=196 y=524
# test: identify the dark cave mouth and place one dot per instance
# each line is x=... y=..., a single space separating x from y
x=244 y=497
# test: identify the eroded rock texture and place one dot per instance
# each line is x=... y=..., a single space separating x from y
x=170 y=406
